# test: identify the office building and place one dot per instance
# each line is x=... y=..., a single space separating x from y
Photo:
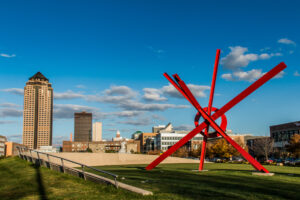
x=136 y=135
x=282 y=134
x=150 y=144
x=142 y=138
x=11 y=148
x=164 y=140
x=164 y=128
x=2 y=145
x=83 y=127
x=38 y=112
x=131 y=146
x=97 y=131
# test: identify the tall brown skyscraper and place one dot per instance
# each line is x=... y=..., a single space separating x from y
x=83 y=127
x=38 y=111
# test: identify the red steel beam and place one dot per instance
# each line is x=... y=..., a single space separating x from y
x=212 y=122
x=211 y=99
x=266 y=77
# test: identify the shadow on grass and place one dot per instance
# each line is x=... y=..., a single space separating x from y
x=39 y=180
x=214 y=184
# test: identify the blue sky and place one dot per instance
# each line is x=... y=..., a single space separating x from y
x=108 y=57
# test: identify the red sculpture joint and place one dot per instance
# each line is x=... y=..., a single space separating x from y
x=210 y=119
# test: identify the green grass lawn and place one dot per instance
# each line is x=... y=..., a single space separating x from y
x=20 y=179
x=222 y=181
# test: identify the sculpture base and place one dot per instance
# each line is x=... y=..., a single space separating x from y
x=262 y=174
x=197 y=170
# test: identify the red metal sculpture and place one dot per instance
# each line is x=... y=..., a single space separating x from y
x=210 y=119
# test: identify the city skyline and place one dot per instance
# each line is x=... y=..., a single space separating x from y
x=114 y=68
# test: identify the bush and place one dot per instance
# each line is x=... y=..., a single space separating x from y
x=155 y=152
x=110 y=151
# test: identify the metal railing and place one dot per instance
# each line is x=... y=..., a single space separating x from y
x=21 y=149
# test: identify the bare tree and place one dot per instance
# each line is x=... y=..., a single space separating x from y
x=262 y=147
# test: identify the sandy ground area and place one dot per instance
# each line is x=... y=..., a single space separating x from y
x=100 y=159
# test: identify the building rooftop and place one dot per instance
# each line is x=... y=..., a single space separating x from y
x=38 y=75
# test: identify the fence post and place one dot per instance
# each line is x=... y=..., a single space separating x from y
x=31 y=155
x=82 y=167
x=19 y=152
x=116 y=183
x=62 y=164
x=38 y=157
x=24 y=155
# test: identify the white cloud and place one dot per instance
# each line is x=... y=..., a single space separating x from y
x=153 y=94
x=127 y=113
x=184 y=127
x=120 y=90
x=250 y=76
x=286 y=41
x=66 y=111
x=9 y=105
x=135 y=105
x=197 y=90
x=10 y=112
x=7 y=122
x=137 y=122
x=227 y=76
x=67 y=95
x=280 y=74
x=106 y=99
x=296 y=73
x=17 y=91
x=238 y=58
x=7 y=55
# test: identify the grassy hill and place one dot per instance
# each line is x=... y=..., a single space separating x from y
x=20 y=179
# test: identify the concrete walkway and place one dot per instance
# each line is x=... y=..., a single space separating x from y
x=101 y=159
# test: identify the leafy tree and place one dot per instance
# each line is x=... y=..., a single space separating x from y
x=196 y=152
x=181 y=152
x=294 y=146
x=221 y=148
x=153 y=152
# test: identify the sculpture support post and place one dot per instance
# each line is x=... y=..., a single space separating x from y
x=211 y=99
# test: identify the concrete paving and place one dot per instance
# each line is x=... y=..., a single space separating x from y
x=101 y=159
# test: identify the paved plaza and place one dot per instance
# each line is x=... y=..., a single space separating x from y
x=101 y=159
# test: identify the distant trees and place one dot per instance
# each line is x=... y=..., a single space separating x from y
x=153 y=152
x=222 y=149
x=294 y=146
x=196 y=152
x=262 y=147
x=181 y=152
